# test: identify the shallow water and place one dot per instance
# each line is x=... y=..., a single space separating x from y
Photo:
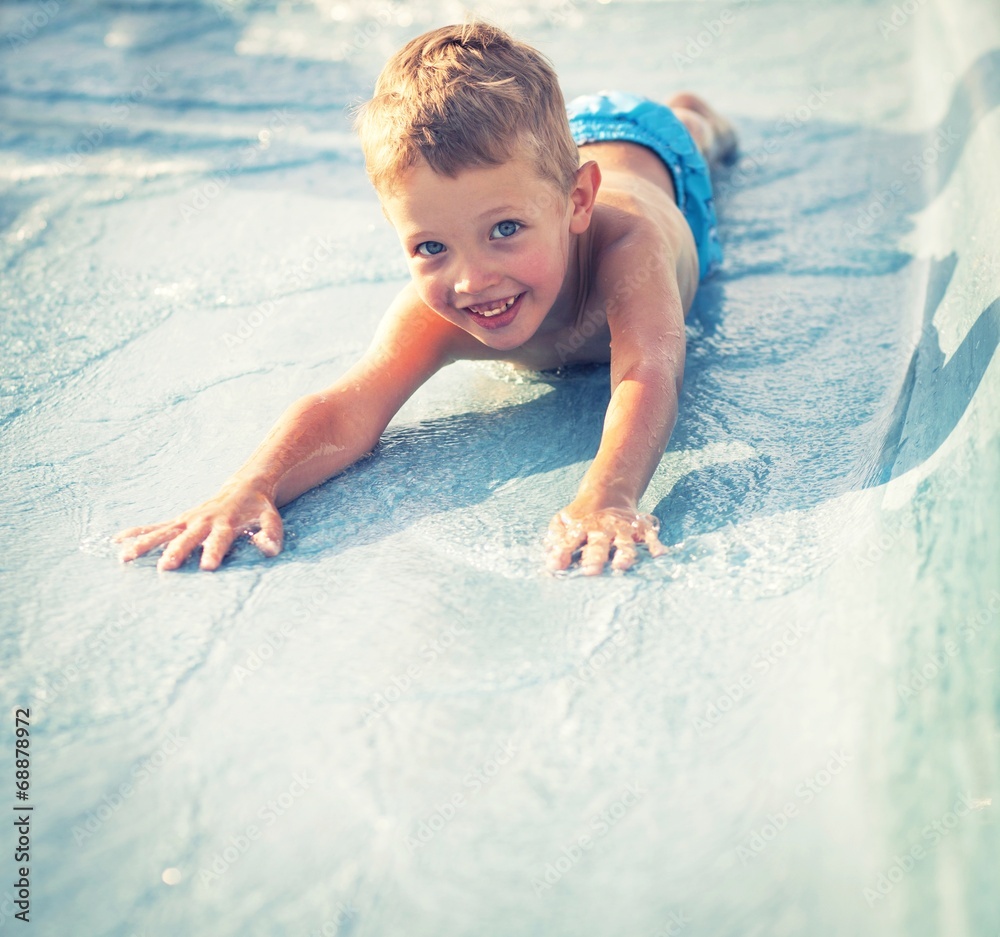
x=787 y=725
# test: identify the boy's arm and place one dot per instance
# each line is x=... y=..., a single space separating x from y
x=318 y=436
x=646 y=319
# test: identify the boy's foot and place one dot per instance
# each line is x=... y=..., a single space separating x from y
x=712 y=133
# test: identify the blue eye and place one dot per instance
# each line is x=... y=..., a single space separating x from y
x=430 y=248
x=505 y=229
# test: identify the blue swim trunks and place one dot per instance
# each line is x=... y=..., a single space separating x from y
x=616 y=115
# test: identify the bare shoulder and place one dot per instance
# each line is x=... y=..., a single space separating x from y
x=410 y=331
x=644 y=276
x=640 y=235
x=410 y=344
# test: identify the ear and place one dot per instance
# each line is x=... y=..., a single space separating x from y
x=583 y=196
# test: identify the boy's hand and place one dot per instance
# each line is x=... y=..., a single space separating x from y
x=236 y=510
x=597 y=531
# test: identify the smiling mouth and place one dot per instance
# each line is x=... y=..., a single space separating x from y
x=495 y=308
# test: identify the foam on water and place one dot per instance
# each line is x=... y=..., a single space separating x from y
x=403 y=724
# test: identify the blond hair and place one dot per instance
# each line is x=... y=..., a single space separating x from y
x=463 y=96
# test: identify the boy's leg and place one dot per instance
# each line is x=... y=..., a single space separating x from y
x=711 y=132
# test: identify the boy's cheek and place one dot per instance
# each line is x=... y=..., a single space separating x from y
x=534 y=264
x=435 y=300
x=428 y=295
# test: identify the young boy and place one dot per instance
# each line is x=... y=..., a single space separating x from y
x=530 y=239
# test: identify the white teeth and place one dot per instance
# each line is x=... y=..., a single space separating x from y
x=489 y=313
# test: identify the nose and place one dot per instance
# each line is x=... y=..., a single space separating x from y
x=475 y=274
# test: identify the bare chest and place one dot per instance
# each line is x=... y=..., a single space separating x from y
x=586 y=342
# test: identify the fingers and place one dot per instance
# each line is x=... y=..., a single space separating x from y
x=648 y=525
x=159 y=533
x=558 y=557
x=214 y=526
x=656 y=548
x=134 y=532
x=598 y=535
x=625 y=552
x=563 y=540
x=595 y=553
x=181 y=546
x=271 y=536
x=216 y=545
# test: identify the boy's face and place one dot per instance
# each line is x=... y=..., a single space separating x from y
x=489 y=249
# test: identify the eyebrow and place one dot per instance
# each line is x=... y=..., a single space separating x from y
x=498 y=210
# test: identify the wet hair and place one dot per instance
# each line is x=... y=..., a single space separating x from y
x=463 y=96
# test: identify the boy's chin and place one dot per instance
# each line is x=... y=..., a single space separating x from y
x=505 y=339
x=502 y=343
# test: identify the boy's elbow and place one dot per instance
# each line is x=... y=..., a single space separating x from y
x=662 y=368
x=342 y=417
